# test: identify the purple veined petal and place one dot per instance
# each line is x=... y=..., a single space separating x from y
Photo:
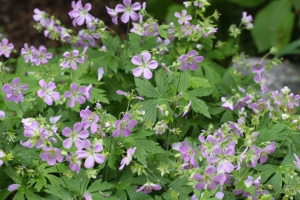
x=125 y=17
x=120 y=8
x=212 y=185
x=43 y=84
x=198 y=58
x=118 y=123
x=51 y=161
x=126 y=117
x=48 y=55
x=66 y=132
x=83 y=134
x=131 y=124
x=198 y=177
x=98 y=147
x=94 y=128
x=153 y=64
x=131 y=151
x=79 y=144
x=146 y=57
x=200 y=185
x=41 y=93
x=71 y=103
x=80 y=20
x=51 y=85
x=177 y=14
x=217 y=150
x=155 y=186
x=126 y=132
x=116 y=133
x=80 y=99
x=192 y=53
x=140 y=189
x=127 y=3
x=212 y=159
x=136 y=60
x=100 y=73
x=48 y=100
x=136 y=6
x=82 y=89
x=67 y=143
x=65 y=64
x=55 y=96
x=194 y=66
x=87 y=7
x=78 y=127
x=147 y=73
x=183 y=12
x=89 y=162
x=67 y=54
x=225 y=166
x=15 y=81
x=184 y=66
x=82 y=154
x=2 y=114
x=68 y=94
x=134 y=16
x=219 y=195
x=210 y=170
x=99 y=158
x=73 y=65
x=137 y=72
x=74 y=86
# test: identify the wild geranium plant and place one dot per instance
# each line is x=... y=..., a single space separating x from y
x=149 y=116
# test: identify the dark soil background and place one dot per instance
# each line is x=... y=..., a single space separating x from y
x=17 y=24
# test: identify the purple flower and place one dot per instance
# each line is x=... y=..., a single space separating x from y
x=13 y=187
x=91 y=154
x=247 y=20
x=87 y=196
x=186 y=108
x=293 y=100
x=48 y=93
x=2 y=114
x=114 y=15
x=74 y=162
x=100 y=73
x=14 y=91
x=188 y=153
x=144 y=65
x=76 y=94
x=210 y=180
x=79 y=14
x=265 y=151
x=40 y=16
x=128 y=11
x=5 y=48
x=296 y=162
x=89 y=119
x=41 y=56
x=71 y=60
x=1 y=156
x=126 y=160
x=74 y=136
x=28 y=53
x=148 y=187
x=258 y=68
x=183 y=18
x=51 y=155
x=124 y=126
x=190 y=60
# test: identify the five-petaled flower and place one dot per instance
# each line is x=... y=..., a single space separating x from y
x=143 y=65
x=74 y=136
x=79 y=14
x=13 y=91
x=126 y=160
x=148 y=187
x=5 y=48
x=128 y=11
x=124 y=126
x=77 y=94
x=190 y=60
x=91 y=154
x=47 y=93
x=183 y=18
x=51 y=155
x=71 y=60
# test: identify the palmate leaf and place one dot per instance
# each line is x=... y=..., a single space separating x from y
x=111 y=43
x=145 y=88
x=200 y=106
x=149 y=106
x=99 y=185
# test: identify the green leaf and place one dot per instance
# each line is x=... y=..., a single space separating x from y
x=227 y=116
x=161 y=81
x=163 y=31
x=266 y=171
x=291 y=48
x=98 y=185
x=19 y=195
x=184 y=81
x=273 y=25
x=200 y=92
x=58 y=191
x=149 y=106
x=145 y=88
x=135 y=42
x=111 y=43
x=131 y=191
x=276 y=182
x=200 y=106
x=178 y=183
x=272 y=134
x=107 y=60
x=198 y=82
x=3 y=194
x=98 y=95
x=32 y=196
